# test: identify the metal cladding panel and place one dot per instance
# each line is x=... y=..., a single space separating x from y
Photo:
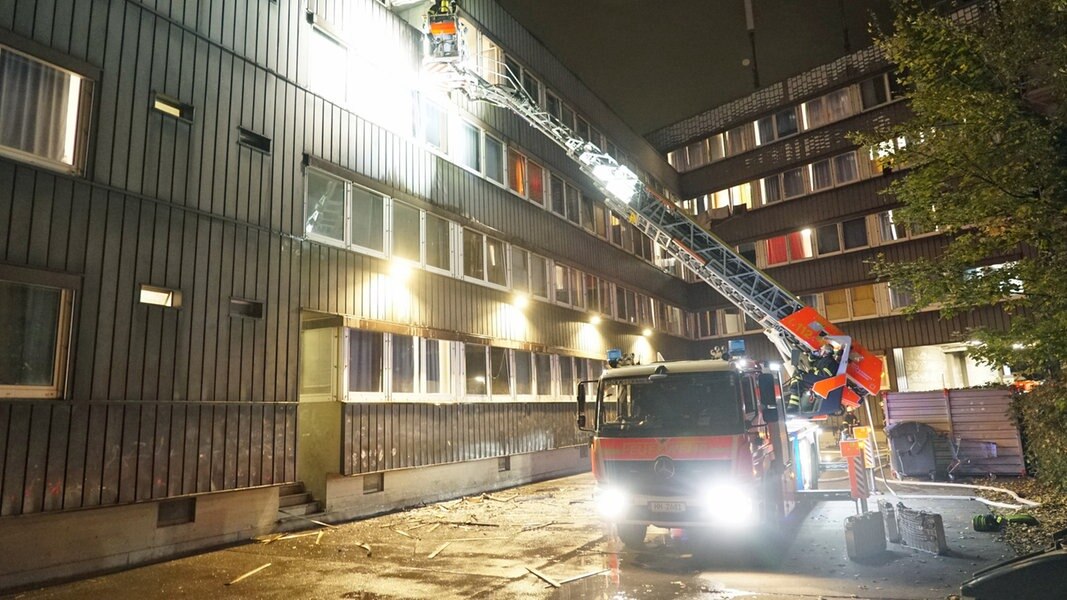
x=971 y=415
x=399 y=435
x=66 y=455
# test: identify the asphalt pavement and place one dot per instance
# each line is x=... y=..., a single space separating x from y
x=544 y=541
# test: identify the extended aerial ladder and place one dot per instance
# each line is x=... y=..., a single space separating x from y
x=797 y=331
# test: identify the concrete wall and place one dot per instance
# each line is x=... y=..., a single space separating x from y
x=345 y=498
x=92 y=540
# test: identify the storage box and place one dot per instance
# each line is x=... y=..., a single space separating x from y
x=864 y=536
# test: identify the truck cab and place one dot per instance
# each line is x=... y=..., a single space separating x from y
x=693 y=444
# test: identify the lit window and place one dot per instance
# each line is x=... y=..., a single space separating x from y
x=520 y=269
x=36 y=322
x=697 y=154
x=562 y=283
x=43 y=112
x=770 y=189
x=786 y=122
x=516 y=172
x=434 y=125
x=495 y=264
x=159 y=296
x=536 y=182
x=863 y=304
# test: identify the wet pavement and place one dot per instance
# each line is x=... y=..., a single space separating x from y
x=544 y=541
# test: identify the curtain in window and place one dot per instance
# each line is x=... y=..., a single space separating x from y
x=34 y=107
x=776 y=252
x=29 y=318
x=365 y=361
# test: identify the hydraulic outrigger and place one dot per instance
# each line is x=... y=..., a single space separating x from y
x=796 y=330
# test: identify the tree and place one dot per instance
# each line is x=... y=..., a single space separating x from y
x=986 y=159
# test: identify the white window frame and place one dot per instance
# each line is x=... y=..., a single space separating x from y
x=60 y=352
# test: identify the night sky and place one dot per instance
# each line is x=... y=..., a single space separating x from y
x=656 y=63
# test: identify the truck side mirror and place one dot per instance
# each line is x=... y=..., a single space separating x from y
x=768 y=396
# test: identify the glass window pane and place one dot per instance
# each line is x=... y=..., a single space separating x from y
x=765 y=130
x=855 y=233
x=715 y=143
x=473 y=254
x=732 y=321
x=500 y=372
x=405 y=231
x=318 y=359
x=494 y=159
x=891 y=232
x=520 y=269
x=814 y=113
x=538 y=276
x=770 y=189
x=821 y=175
x=599 y=220
x=697 y=153
x=800 y=245
x=838 y=105
x=434 y=122
x=523 y=373
x=40 y=107
x=365 y=351
x=735 y=141
x=605 y=297
x=496 y=265
x=403 y=366
x=873 y=92
x=553 y=105
x=592 y=293
x=827 y=239
x=748 y=251
x=572 y=204
x=558 y=206
x=581 y=127
x=438 y=243
x=535 y=182
x=532 y=86
x=469 y=147
x=543 y=373
x=793 y=182
x=325 y=206
x=474 y=356
x=586 y=204
x=577 y=294
x=29 y=318
x=567 y=383
x=516 y=172
x=563 y=284
x=368 y=211
x=845 y=168
x=787 y=122
x=776 y=251
x=436 y=366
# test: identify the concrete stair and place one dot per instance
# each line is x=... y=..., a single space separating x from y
x=296 y=506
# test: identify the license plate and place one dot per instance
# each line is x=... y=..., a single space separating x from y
x=667 y=507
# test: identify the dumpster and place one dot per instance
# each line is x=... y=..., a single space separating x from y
x=911 y=448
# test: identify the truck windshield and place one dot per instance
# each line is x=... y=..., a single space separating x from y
x=682 y=404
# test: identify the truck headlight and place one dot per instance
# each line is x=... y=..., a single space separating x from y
x=729 y=504
x=612 y=502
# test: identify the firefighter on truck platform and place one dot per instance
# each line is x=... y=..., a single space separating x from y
x=800 y=385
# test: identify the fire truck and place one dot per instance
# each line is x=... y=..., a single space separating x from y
x=743 y=457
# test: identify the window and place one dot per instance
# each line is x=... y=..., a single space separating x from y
x=873 y=91
x=325 y=206
x=586 y=205
x=473 y=254
x=524 y=382
x=499 y=373
x=827 y=239
x=520 y=269
x=368 y=230
x=592 y=293
x=365 y=361
x=697 y=154
x=567 y=382
x=475 y=364
x=406 y=228
x=899 y=297
x=845 y=169
x=495 y=264
x=543 y=374
x=516 y=172
x=553 y=105
x=536 y=182
x=557 y=191
x=562 y=284
x=786 y=122
x=836 y=302
x=572 y=204
x=770 y=189
x=44 y=112
x=821 y=175
x=733 y=322
x=793 y=183
x=434 y=125
x=850 y=303
x=736 y=143
x=469 y=147
x=36 y=324
x=438 y=243
x=437 y=367
x=532 y=86
x=581 y=127
x=854 y=233
x=403 y=363
x=863 y=304
x=539 y=276
x=791 y=247
x=494 y=159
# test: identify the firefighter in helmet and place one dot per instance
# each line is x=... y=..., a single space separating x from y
x=444 y=7
x=800 y=386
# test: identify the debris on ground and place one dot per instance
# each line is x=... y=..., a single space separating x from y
x=1051 y=516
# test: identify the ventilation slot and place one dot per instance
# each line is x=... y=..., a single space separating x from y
x=253 y=140
x=175 y=108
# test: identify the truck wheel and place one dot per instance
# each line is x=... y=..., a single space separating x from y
x=632 y=535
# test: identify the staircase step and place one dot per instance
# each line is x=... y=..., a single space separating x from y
x=294 y=499
x=307 y=508
x=289 y=489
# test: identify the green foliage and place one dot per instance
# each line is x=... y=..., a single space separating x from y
x=1042 y=414
x=986 y=160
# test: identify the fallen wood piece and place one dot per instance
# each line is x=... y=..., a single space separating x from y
x=439 y=549
x=319 y=538
x=249 y=574
x=502 y=498
x=583 y=576
x=292 y=536
x=302 y=517
x=478 y=539
x=538 y=526
x=365 y=547
x=435 y=526
x=327 y=525
x=273 y=537
x=546 y=578
x=471 y=523
x=403 y=533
